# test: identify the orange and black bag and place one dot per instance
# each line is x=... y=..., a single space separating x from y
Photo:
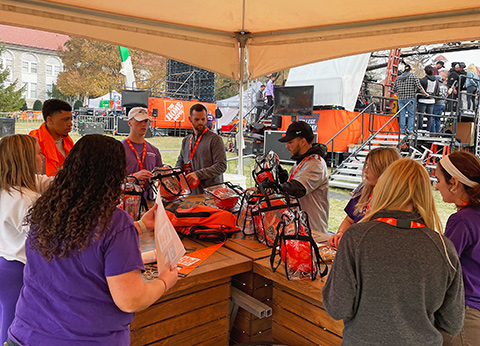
x=295 y=246
x=203 y=223
x=268 y=211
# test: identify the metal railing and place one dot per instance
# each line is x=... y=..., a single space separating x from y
x=332 y=140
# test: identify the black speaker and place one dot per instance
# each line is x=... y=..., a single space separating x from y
x=7 y=126
x=122 y=126
x=155 y=112
x=135 y=98
x=276 y=122
x=218 y=113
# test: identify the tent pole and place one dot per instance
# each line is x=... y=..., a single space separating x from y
x=240 y=116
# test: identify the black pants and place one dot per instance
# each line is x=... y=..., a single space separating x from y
x=270 y=104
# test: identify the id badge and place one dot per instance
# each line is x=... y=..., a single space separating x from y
x=187 y=168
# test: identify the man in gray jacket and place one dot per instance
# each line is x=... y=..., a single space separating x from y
x=259 y=101
x=202 y=156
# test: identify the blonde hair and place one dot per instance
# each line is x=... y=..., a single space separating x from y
x=405 y=183
x=472 y=68
x=378 y=160
x=17 y=162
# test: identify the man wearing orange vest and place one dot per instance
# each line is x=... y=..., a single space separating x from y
x=55 y=143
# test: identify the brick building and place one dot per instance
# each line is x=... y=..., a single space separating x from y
x=31 y=56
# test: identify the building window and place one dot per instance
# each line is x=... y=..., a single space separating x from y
x=53 y=67
x=25 y=89
x=33 y=90
x=6 y=62
x=29 y=63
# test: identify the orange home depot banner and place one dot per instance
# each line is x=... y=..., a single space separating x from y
x=329 y=122
x=171 y=113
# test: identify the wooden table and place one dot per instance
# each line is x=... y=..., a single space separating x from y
x=299 y=317
x=196 y=310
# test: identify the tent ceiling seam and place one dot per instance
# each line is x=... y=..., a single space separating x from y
x=122 y=27
x=366 y=23
x=363 y=34
x=119 y=17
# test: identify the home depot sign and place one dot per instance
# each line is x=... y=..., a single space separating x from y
x=171 y=113
x=174 y=111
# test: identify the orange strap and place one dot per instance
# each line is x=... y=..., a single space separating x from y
x=310 y=157
x=140 y=162
x=192 y=152
x=392 y=221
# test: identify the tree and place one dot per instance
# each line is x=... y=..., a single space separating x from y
x=225 y=87
x=37 y=105
x=57 y=94
x=24 y=106
x=77 y=104
x=10 y=99
x=92 y=68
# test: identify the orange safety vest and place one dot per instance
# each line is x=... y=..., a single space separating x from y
x=53 y=157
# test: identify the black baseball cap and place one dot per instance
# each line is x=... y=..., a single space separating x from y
x=440 y=62
x=298 y=129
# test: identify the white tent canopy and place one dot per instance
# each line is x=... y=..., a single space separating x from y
x=277 y=34
x=266 y=36
x=336 y=81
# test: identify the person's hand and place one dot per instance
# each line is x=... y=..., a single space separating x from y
x=169 y=277
x=143 y=174
x=148 y=218
x=335 y=239
x=192 y=180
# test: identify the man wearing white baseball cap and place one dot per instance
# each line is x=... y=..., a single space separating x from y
x=142 y=157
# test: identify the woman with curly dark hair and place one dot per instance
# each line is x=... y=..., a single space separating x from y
x=82 y=280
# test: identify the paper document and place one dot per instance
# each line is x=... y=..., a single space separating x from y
x=167 y=242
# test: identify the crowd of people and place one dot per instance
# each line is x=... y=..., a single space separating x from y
x=396 y=279
x=437 y=91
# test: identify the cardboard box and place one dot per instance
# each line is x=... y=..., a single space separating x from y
x=465 y=132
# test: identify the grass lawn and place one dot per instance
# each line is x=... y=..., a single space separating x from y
x=170 y=148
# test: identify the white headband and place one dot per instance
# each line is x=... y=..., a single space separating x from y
x=455 y=172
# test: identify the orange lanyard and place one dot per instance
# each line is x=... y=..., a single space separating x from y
x=300 y=165
x=393 y=222
x=368 y=204
x=140 y=162
x=192 y=152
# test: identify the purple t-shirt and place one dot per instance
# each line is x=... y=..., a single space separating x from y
x=67 y=301
x=152 y=159
x=463 y=229
x=352 y=203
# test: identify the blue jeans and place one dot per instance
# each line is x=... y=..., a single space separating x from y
x=436 y=121
x=424 y=108
x=410 y=108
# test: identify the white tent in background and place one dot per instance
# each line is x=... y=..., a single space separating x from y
x=336 y=81
x=95 y=103
x=230 y=107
